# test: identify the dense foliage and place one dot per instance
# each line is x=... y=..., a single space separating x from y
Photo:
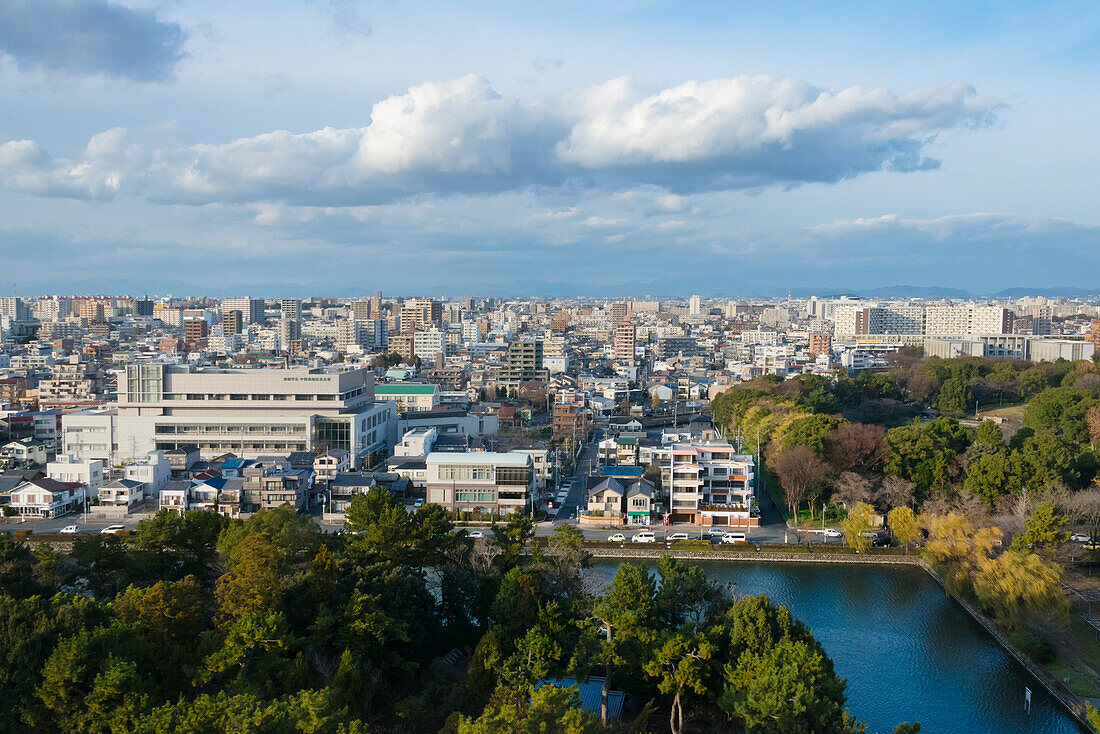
x=199 y=624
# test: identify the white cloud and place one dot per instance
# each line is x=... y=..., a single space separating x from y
x=460 y=136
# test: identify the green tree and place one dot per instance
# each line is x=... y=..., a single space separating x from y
x=924 y=453
x=680 y=664
x=626 y=618
x=955 y=397
x=1044 y=530
x=547 y=710
x=254 y=585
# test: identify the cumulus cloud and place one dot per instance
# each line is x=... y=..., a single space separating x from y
x=98 y=175
x=460 y=136
x=89 y=37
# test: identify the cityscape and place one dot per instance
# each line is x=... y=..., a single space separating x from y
x=571 y=369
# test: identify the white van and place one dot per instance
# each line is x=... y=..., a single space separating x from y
x=646 y=536
x=735 y=538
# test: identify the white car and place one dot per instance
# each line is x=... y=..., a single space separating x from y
x=716 y=531
x=69 y=529
x=475 y=534
x=644 y=537
x=677 y=536
x=616 y=538
x=112 y=529
x=418 y=503
x=735 y=538
x=1076 y=538
x=831 y=533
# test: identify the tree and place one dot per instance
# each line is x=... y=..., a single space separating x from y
x=789 y=688
x=801 y=475
x=626 y=617
x=893 y=492
x=1045 y=530
x=1017 y=583
x=1092 y=419
x=680 y=665
x=850 y=489
x=955 y=397
x=903 y=525
x=547 y=709
x=924 y=453
x=860 y=519
x=254 y=585
x=856 y=446
x=810 y=431
x=988 y=439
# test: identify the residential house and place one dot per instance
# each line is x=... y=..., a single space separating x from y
x=46 y=497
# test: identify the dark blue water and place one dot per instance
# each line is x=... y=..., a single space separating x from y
x=907 y=652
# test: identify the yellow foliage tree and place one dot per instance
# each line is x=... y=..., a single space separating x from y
x=860 y=519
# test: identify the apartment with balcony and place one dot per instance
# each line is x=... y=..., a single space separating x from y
x=708 y=483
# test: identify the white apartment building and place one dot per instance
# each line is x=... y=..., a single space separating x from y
x=70 y=469
x=252 y=309
x=906 y=320
x=408 y=395
x=708 y=483
x=91 y=434
x=427 y=344
x=153 y=472
x=251 y=412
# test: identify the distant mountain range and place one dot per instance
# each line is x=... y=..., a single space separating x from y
x=706 y=286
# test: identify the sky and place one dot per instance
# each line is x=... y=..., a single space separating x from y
x=564 y=147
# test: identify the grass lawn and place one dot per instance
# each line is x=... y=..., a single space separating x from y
x=1010 y=411
x=1079 y=658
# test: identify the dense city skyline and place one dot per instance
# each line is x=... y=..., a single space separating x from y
x=630 y=147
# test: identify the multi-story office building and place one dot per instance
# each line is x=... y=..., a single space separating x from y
x=569 y=420
x=252 y=309
x=195 y=332
x=251 y=412
x=492 y=482
x=695 y=306
x=523 y=361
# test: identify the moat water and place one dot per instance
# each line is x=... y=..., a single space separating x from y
x=907 y=652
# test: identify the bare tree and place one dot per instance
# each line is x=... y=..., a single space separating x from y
x=801 y=474
x=894 y=492
x=856 y=446
x=1092 y=418
x=1083 y=508
x=851 y=488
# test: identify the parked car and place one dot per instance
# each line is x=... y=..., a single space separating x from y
x=832 y=533
x=677 y=536
x=716 y=530
x=475 y=534
x=112 y=529
x=1080 y=538
x=735 y=538
x=616 y=538
x=645 y=536
x=418 y=503
x=68 y=529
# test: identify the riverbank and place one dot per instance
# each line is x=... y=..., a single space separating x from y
x=1072 y=703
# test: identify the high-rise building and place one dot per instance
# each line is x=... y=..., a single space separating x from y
x=252 y=309
x=695 y=306
x=290 y=308
x=13 y=308
x=523 y=361
x=625 y=341
x=421 y=313
x=376 y=305
x=92 y=310
x=361 y=309
x=290 y=335
x=619 y=311
x=195 y=332
x=143 y=307
x=232 y=322
x=427 y=344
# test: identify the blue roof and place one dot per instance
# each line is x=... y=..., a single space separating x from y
x=590 y=693
x=622 y=471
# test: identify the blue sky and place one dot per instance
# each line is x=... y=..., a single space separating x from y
x=341 y=146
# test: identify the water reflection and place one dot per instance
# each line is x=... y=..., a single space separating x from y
x=907 y=652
